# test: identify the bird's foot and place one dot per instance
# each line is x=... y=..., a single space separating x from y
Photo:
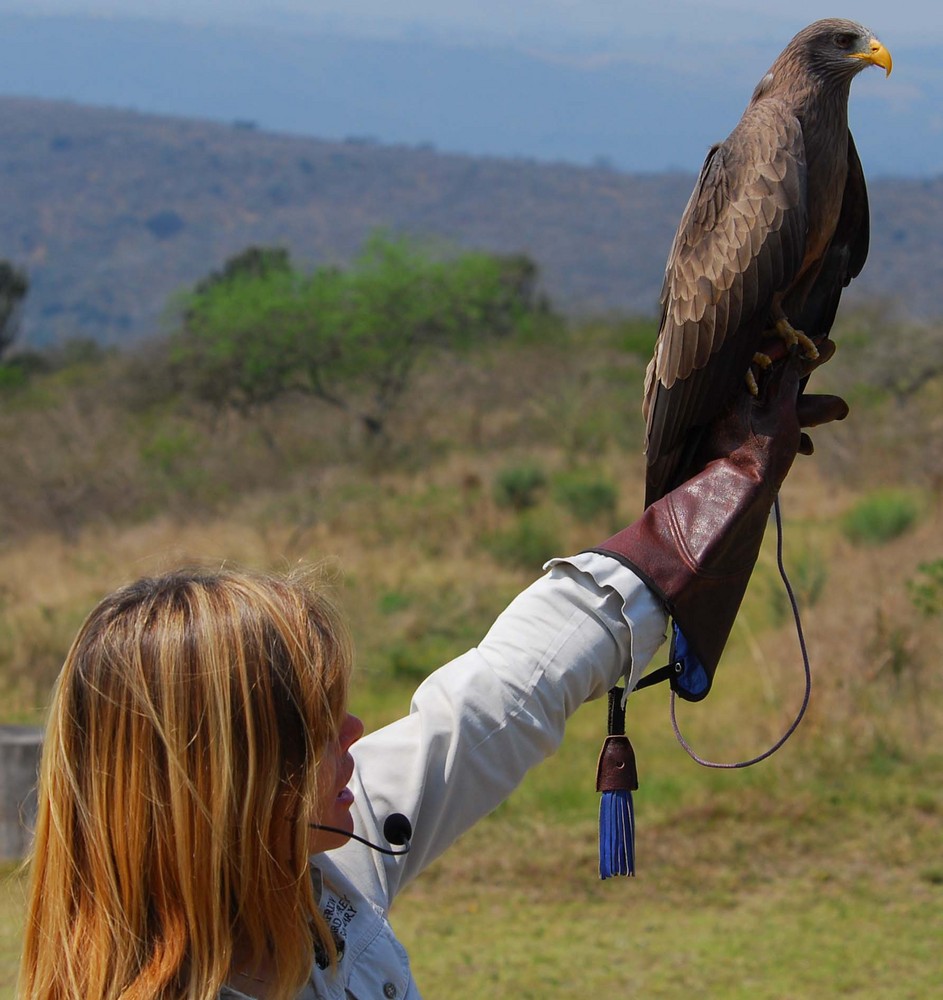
x=762 y=361
x=792 y=337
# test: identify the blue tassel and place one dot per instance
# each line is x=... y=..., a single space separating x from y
x=616 y=779
x=616 y=834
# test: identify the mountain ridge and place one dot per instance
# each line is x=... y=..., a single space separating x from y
x=111 y=212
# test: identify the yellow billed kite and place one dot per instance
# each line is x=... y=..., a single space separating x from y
x=776 y=227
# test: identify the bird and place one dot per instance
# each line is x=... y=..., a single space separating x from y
x=776 y=227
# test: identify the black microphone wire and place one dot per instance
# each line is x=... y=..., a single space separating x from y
x=397 y=829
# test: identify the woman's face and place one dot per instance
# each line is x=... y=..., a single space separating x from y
x=335 y=798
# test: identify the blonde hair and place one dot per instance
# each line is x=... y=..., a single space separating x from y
x=189 y=716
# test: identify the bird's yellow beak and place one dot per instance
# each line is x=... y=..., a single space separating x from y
x=877 y=55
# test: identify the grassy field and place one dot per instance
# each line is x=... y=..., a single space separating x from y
x=782 y=891
x=815 y=874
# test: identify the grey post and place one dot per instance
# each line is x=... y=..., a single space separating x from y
x=19 y=763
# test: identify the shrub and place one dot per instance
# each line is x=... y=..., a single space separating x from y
x=170 y=449
x=519 y=486
x=926 y=589
x=881 y=517
x=11 y=377
x=414 y=661
x=527 y=544
x=586 y=495
x=391 y=602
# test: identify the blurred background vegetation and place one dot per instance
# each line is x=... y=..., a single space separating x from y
x=426 y=426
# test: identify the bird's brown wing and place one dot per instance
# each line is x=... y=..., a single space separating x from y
x=815 y=312
x=741 y=240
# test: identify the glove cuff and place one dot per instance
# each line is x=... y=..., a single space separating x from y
x=696 y=548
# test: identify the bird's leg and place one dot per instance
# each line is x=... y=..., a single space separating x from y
x=784 y=331
x=792 y=337
x=763 y=361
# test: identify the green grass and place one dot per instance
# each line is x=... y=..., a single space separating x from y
x=809 y=890
x=745 y=889
x=786 y=938
x=11 y=924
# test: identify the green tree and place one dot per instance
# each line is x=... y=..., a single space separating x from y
x=236 y=346
x=352 y=338
x=254 y=261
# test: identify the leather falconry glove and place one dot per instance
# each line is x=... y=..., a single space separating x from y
x=696 y=547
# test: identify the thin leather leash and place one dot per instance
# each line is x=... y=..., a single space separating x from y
x=805 y=662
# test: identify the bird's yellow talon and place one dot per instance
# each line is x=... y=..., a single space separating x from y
x=792 y=337
x=788 y=334
x=762 y=360
x=809 y=351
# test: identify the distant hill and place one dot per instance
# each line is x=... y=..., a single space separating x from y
x=112 y=212
x=646 y=90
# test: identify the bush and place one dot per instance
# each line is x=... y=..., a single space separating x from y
x=391 y=602
x=519 y=486
x=527 y=544
x=586 y=495
x=881 y=517
x=12 y=377
x=414 y=661
x=926 y=589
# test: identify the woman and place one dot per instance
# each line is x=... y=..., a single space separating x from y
x=202 y=775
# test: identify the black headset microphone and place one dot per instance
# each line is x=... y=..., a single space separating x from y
x=397 y=829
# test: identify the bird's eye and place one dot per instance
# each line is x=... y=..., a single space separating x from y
x=845 y=40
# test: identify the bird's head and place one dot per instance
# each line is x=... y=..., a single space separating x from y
x=836 y=49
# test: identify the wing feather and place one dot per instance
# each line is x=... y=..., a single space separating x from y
x=741 y=241
x=814 y=308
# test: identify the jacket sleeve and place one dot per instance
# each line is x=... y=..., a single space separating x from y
x=478 y=724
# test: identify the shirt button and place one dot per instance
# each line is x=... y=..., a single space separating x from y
x=389 y=991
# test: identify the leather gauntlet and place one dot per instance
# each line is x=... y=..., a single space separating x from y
x=697 y=546
x=696 y=549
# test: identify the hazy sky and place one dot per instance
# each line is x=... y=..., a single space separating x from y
x=609 y=51
x=609 y=22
